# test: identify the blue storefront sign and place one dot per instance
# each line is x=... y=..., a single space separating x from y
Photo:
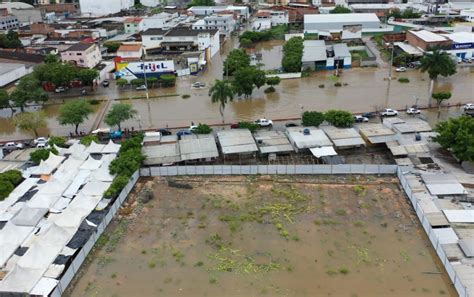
x=463 y=45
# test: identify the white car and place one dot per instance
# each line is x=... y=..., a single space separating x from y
x=42 y=145
x=11 y=146
x=468 y=106
x=40 y=140
x=400 y=69
x=413 y=110
x=198 y=85
x=388 y=112
x=361 y=119
x=192 y=127
x=141 y=88
x=264 y=122
x=60 y=90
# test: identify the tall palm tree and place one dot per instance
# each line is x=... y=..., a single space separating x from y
x=220 y=92
x=437 y=63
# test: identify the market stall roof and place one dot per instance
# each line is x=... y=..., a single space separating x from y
x=236 y=141
x=446 y=235
x=111 y=148
x=272 y=142
x=95 y=148
x=459 y=215
x=377 y=133
x=161 y=154
x=443 y=184
x=307 y=137
x=343 y=137
x=319 y=152
x=199 y=147
x=46 y=167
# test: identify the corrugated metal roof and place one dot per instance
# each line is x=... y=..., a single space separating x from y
x=382 y=139
x=446 y=235
x=160 y=154
x=316 y=137
x=314 y=50
x=459 y=215
x=467 y=246
x=236 y=141
x=341 y=18
x=198 y=148
x=428 y=36
x=319 y=152
x=341 y=50
x=272 y=142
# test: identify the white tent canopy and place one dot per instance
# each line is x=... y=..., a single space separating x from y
x=319 y=152
x=111 y=148
x=11 y=237
x=91 y=164
x=47 y=166
x=95 y=148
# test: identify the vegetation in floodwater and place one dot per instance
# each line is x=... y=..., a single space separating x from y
x=213 y=280
x=343 y=270
x=199 y=264
x=113 y=275
x=359 y=190
x=341 y=212
x=151 y=264
x=358 y=224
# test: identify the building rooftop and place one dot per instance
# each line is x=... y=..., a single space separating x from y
x=428 y=36
x=7 y=67
x=314 y=50
x=315 y=138
x=461 y=37
x=341 y=18
x=130 y=48
x=272 y=142
x=198 y=147
x=20 y=56
x=134 y=20
x=377 y=133
x=443 y=184
x=188 y=32
x=154 y=31
x=79 y=47
x=343 y=137
x=161 y=154
x=341 y=50
x=236 y=141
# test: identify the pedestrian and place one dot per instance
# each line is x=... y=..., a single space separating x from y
x=192 y=123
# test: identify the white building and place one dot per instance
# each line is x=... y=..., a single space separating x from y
x=183 y=38
x=150 y=3
x=104 y=7
x=152 y=38
x=278 y=17
x=161 y=20
x=262 y=21
x=468 y=14
x=242 y=11
x=463 y=44
x=314 y=23
x=131 y=51
x=318 y=55
x=86 y=55
x=224 y=23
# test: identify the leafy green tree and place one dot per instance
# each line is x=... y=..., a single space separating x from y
x=60 y=74
x=50 y=59
x=202 y=129
x=30 y=121
x=88 y=139
x=27 y=91
x=168 y=80
x=202 y=3
x=259 y=78
x=236 y=60
x=220 y=92
x=121 y=82
x=59 y=141
x=440 y=97
x=248 y=125
x=5 y=100
x=292 y=54
x=457 y=135
x=112 y=46
x=118 y=113
x=437 y=63
x=87 y=76
x=119 y=182
x=137 y=82
x=10 y=40
x=339 y=118
x=151 y=81
x=341 y=9
x=127 y=163
x=74 y=113
x=244 y=81
x=312 y=118
x=13 y=176
x=272 y=82
x=6 y=188
x=38 y=155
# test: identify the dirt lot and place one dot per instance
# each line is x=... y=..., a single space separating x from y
x=266 y=236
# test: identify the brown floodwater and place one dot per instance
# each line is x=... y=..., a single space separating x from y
x=365 y=89
x=263 y=236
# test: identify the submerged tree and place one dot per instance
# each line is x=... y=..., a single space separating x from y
x=74 y=113
x=220 y=92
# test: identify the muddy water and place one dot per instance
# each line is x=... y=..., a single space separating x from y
x=339 y=243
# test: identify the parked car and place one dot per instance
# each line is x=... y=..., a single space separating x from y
x=198 y=85
x=368 y=115
x=60 y=90
x=192 y=127
x=164 y=131
x=467 y=60
x=141 y=88
x=388 y=112
x=414 y=64
x=40 y=140
x=11 y=146
x=264 y=122
x=234 y=126
x=117 y=134
x=181 y=133
x=105 y=83
x=400 y=69
x=361 y=119
x=291 y=125
x=468 y=106
x=413 y=110
x=42 y=145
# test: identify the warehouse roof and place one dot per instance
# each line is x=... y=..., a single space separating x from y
x=341 y=18
x=8 y=67
x=428 y=36
x=341 y=50
x=161 y=154
x=272 y=142
x=236 y=141
x=461 y=37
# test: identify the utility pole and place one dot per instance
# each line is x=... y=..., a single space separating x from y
x=389 y=76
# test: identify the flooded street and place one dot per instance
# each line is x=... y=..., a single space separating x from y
x=267 y=236
x=365 y=89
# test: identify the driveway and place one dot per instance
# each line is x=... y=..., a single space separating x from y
x=373 y=48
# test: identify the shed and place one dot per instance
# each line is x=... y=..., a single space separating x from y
x=161 y=154
x=303 y=138
x=443 y=184
x=272 y=142
x=198 y=148
x=236 y=141
x=344 y=137
x=377 y=133
x=323 y=151
x=446 y=235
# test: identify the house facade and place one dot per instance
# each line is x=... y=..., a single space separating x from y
x=86 y=55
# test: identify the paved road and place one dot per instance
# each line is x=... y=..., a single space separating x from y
x=373 y=47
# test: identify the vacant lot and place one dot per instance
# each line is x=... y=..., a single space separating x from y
x=266 y=236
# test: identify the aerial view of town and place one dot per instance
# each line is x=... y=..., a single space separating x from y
x=237 y=148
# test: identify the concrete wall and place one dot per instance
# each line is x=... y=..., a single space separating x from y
x=285 y=75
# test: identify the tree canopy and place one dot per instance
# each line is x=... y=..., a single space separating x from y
x=221 y=92
x=339 y=118
x=437 y=63
x=292 y=55
x=237 y=59
x=27 y=91
x=312 y=118
x=60 y=74
x=30 y=121
x=87 y=76
x=10 y=40
x=457 y=135
x=119 y=113
x=341 y=9
x=74 y=113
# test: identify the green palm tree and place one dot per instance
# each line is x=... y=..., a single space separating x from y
x=437 y=63
x=220 y=92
